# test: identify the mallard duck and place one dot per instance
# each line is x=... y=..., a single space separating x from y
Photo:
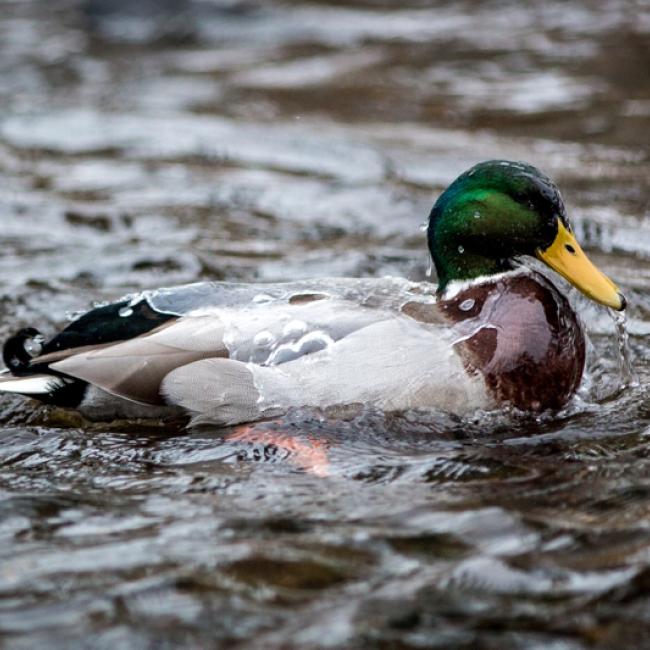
x=493 y=332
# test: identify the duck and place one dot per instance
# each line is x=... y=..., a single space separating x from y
x=495 y=332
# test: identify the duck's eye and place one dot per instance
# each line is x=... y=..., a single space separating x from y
x=570 y=248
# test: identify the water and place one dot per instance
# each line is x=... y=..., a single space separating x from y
x=273 y=141
x=628 y=376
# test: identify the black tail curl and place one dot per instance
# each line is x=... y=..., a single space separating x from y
x=18 y=353
x=118 y=321
x=20 y=349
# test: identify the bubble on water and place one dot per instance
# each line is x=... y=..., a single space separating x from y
x=125 y=311
x=466 y=305
x=262 y=298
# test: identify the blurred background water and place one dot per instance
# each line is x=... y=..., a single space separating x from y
x=161 y=142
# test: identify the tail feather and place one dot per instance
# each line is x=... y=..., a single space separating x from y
x=34 y=385
x=23 y=376
x=51 y=389
x=20 y=349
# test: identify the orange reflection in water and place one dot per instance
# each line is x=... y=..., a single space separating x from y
x=304 y=451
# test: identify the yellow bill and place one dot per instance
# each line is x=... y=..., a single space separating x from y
x=566 y=257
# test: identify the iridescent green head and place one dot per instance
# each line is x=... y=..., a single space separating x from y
x=498 y=211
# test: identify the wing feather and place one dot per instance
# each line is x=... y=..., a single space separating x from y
x=134 y=369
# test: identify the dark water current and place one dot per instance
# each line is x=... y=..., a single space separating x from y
x=270 y=141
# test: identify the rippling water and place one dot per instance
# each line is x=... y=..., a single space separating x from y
x=270 y=141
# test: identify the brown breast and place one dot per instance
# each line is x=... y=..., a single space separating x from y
x=520 y=332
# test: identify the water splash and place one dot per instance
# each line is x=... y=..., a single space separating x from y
x=73 y=315
x=629 y=377
x=262 y=298
x=307 y=344
x=264 y=339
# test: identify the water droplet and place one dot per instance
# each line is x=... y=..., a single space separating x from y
x=294 y=329
x=430 y=270
x=263 y=339
x=461 y=250
x=34 y=346
x=477 y=215
x=424 y=226
x=466 y=305
x=74 y=315
x=125 y=311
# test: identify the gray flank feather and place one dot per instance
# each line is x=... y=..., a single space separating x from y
x=218 y=391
